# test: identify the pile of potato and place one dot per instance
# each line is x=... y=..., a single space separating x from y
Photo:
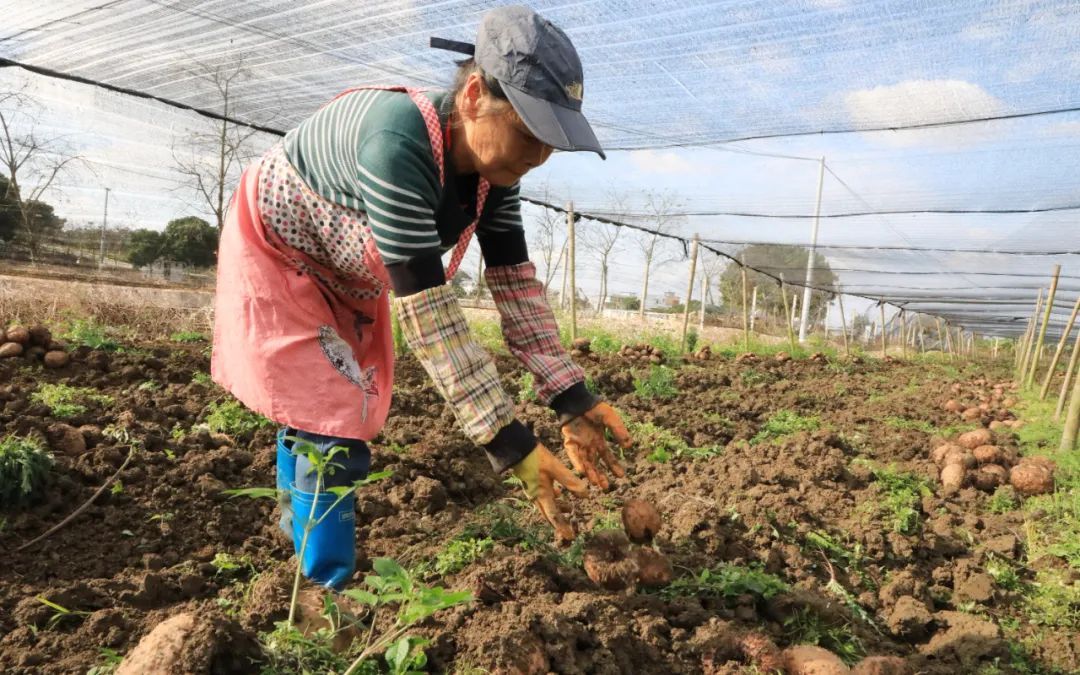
x=991 y=408
x=974 y=460
x=642 y=352
x=703 y=354
x=582 y=348
x=35 y=344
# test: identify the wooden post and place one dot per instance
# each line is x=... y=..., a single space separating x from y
x=1057 y=352
x=884 y=340
x=1029 y=347
x=753 y=308
x=1068 y=377
x=573 y=272
x=690 y=293
x=843 y=324
x=704 y=291
x=903 y=333
x=1045 y=324
x=940 y=337
x=1072 y=418
x=995 y=353
x=479 y=278
x=790 y=330
x=1020 y=348
x=745 y=311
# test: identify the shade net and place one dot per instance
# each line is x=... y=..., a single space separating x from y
x=950 y=129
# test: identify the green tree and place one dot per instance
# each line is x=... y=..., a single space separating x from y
x=191 y=241
x=145 y=247
x=776 y=259
x=42 y=219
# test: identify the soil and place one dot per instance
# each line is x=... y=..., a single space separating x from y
x=142 y=554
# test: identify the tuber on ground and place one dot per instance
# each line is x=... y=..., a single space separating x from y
x=654 y=569
x=608 y=562
x=640 y=520
x=1031 y=479
x=953 y=476
x=760 y=652
x=974 y=439
x=812 y=660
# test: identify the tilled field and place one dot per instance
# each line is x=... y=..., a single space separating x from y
x=799 y=500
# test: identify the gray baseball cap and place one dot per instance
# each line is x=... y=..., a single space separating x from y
x=539 y=71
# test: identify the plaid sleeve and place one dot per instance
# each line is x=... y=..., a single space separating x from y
x=436 y=331
x=529 y=327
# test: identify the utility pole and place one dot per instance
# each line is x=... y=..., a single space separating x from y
x=104 y=224
x=810 y=258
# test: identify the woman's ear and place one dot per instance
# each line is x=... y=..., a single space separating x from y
x=471 y=96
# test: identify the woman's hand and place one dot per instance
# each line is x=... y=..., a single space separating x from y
x=539 y=471
x=585 y=442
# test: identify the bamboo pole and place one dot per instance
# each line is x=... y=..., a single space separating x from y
x=1045 y=324
x=940 y=337
x=1029 y=347
x=790 y=330
x=690 y=292
x=1068 y=377
x=843 y=324
x=573 y=272
x=1020 y=348
x=753 y=308
x=745 y=310
x=884 y=340
x=1060 y=349
x=1072 y=418
x=704 y=291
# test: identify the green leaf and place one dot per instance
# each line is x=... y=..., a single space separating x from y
x=361 y=596
x=340 y=491
x=397 y=656
x=253 y=493
x=386 y=567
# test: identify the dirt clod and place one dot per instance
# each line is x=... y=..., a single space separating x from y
x=654 y=569
x=608 y=562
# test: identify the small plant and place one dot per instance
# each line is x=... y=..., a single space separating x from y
x=65 y=401
x=783 y=423
x=232 y=418
x=149 y=385
x=659 y=384
x=526 y=388
x=110 y=661
x=902 y=496
x=228 y=565
x=691 y=340
x=24 y=470
x=187 y=336
x=805 y=626
x=59 y=613
x=751 y=377
x=201 y=378
x=727 y=581
x=1003 y=573
x=905 y=423
x=462 y=552
x=89 y=334
x=117 y=488
x=667 y=445
x=1003 y=500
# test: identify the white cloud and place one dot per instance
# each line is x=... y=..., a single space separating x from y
x=663 y=161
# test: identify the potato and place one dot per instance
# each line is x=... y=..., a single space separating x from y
x=10 y=349
x=18 y=334
x=952 y=405
x=608 y=562
x=40 y=336
x=988 y=478
x=654 y=569
x=971 y=414
x=997 y=425
x=1049 y=464
x=1009 y=402
x=760 y=652
x=988 y=454
x=962 y=457
x=1031 y=479
x=882 y=665
x=953 y=476
x=974 y=439
x=811 y=660
x=640 y=520
x=942 y=451
x=56 y=359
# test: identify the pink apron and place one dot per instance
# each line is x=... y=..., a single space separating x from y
x=286 y=344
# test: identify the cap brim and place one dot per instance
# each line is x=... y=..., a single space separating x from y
x=559 y=127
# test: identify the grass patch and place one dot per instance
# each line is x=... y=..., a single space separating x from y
x=188 y=336
x=806 y=627
x=86 y=333
x=902 y=495
x=462 y=552
x=658 y=384
x=488 y=334
x=232 y=418
x=784 y=423
x=727 y=581
x=666 y=445
x=909 y=424
x=64 y=401
x=526 y=387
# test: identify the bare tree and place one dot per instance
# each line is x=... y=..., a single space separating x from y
x=211 y=161
x=600 y=240
x=32 y=164
x=659 y=207
x=549 y=224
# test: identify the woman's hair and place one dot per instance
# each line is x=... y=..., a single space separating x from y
x=467 y=67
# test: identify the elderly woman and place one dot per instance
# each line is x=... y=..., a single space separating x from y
x=365 y=196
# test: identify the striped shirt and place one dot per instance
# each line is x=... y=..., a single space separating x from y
x=369 y=150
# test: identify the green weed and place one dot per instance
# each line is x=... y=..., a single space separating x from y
x=667 y=445
x=65 y=401
x=658 y=384
x=232 y=418
x=1003 y=500
x=905 y=423
x=110 y=661
x=86 y=333
x=902 y=495
x=783 y=423
x=200 y=377
x=25 y=466
x=805 y=626
x=526 y=387
x=188 y=336
x=727 y=581
x=460 y=553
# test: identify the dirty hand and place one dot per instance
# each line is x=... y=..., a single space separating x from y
x=540 y=470
x=585 y=443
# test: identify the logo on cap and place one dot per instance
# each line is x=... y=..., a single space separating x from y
x=574 y=90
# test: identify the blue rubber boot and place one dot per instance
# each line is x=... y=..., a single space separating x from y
x=286 y=476
x=329 y=556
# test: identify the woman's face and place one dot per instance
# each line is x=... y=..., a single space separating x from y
x=501 y=147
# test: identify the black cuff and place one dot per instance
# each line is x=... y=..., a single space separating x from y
x=510 y=446
x=502 y=249
x=416 y=274
x=573 y=402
